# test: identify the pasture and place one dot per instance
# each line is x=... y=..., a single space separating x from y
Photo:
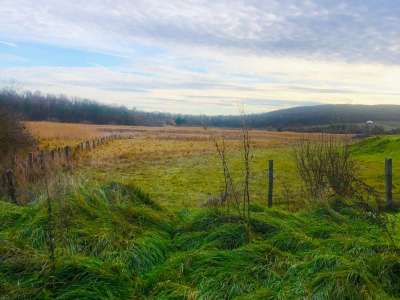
x=131 y=223
x=179 y=166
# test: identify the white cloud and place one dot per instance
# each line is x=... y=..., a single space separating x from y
x=206 y=56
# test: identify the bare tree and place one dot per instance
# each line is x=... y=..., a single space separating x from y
x=246 y=160
x=230 y=191
x=229 y=196
x=326 y=166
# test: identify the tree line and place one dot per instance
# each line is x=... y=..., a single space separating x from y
x=322 y=118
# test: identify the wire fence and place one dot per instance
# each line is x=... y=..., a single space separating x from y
x=284 y=193
x=28 y=170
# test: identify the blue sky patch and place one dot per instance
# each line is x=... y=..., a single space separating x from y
x=42 y=55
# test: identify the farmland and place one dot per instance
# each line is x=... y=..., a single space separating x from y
x=131 y=223
x=179 y=165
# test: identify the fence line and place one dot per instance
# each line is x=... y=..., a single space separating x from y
x=28 y=169
x=387 y=195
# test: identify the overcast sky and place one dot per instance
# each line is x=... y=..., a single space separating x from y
x=213 y=57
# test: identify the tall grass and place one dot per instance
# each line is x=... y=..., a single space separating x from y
x=306 y=255
x=106 y=237
x=115 y=242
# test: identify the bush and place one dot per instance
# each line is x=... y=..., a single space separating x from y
x=326 y=166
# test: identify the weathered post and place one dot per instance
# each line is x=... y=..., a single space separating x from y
x=41 y=158
x=67 y=154
x=53 y=154
x=30 y=161
x=270 y=182
x=389 y=182
x=11 y=185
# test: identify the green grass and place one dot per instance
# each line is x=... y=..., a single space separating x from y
x=114 y=241
x=105 y=238
x=371 y=154
x=189 y=180
x=310 y=255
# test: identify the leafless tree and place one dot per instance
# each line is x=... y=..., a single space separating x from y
x=229 y=196
x=246 y=148
x=326 y=166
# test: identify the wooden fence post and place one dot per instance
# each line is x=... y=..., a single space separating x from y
x=30 y=161
x=53 y=154
x=67 y=154
x=270 y=182
x=389 y=182
x=41 y=158
x=12 y=191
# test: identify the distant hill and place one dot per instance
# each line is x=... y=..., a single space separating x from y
x=328 y=114
x=330 y=118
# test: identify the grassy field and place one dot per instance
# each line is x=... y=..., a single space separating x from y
x=132 y=226
x=179 y=166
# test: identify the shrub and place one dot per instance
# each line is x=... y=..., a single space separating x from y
x=326 y=166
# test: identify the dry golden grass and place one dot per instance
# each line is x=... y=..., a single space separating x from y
x=50 y=133
x=62 y=131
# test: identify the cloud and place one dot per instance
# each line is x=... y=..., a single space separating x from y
x=206 y=56
x=350 y=30
x=8 y=44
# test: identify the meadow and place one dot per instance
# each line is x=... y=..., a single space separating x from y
x=131 y=224
x=179 y=166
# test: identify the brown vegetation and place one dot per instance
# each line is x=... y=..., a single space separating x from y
x=53 y=133
x=326 y=167
x=13 y=137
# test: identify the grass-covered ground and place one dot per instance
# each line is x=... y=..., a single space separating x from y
x=114 y=242
x=371 y=154
x=186 y=174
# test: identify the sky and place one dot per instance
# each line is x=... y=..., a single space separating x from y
x=204 y=56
